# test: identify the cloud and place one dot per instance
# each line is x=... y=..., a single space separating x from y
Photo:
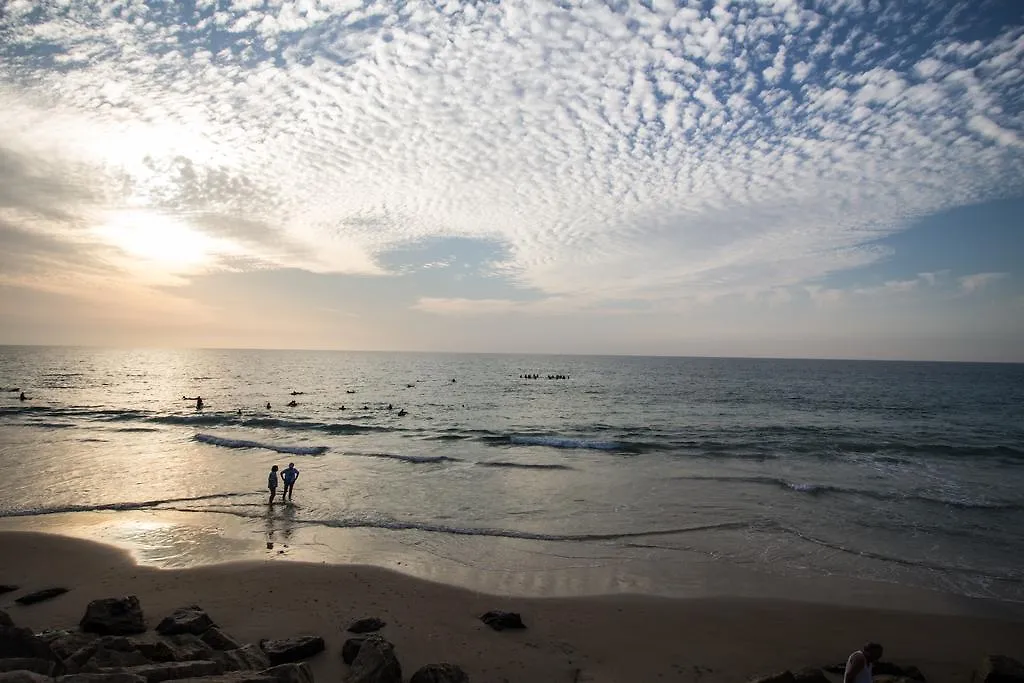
x=972 y=284
x=643 y=152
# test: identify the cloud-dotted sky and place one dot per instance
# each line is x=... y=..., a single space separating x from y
x=618 y=156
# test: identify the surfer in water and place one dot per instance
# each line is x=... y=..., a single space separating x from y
x=197 y=399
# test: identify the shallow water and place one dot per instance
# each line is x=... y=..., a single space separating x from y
x=901 y=472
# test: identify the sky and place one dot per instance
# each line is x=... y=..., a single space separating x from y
x=796 y=178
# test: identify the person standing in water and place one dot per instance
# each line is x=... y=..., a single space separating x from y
x=290 y=475
x=272 y=484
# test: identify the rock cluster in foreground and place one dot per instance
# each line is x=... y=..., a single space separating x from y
x=112 y=644
x=992 y=669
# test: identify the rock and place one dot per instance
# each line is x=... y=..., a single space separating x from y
x=811 y=675
x=219 y=640
x=40 y=596
x=101 y=678
x=5 y=619
x=169 y=671
x=46 y=667
x=23 y=677
x=7 y=588
x=890 y=669
x=292 y=649
x=375 y=663
x=233 y=677
x=245 y=658
x=440 y=673
x=192 y=619
x=298 y=672
x=350 y=649
x=108 y=652
x=999 y=669
x=65 y=643
x=114 y=616
x=367 y=625
x=21 y=642
x=784 y=677
x=835 y=668
x=500 y=620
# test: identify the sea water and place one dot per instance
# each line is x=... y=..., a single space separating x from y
x=907 y=473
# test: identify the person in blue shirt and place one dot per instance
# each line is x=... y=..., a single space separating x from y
x=290 y=475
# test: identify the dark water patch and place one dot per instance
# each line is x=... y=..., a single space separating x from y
x=242 y=443
x=416 y=459
x=1011 y=576
x=131 y=430
x=524 y=465
x=124 y=506
x=50 y=425
x=93 y=440
x=565 y=442
x=813 y=489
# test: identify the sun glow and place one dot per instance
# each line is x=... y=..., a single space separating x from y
x=161 y=240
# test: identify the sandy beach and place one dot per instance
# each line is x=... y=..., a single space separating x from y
x=612 y=638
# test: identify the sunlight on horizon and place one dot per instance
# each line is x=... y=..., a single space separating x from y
x=160 y=240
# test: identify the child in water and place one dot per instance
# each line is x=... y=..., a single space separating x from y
x=272 y=484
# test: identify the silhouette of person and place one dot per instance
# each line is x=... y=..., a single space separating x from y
x=23 y=397
x=268 y=405
x=290 y=475
x=292 y=404
x=272 y=484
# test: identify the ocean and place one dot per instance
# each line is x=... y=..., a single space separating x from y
x=601 y=474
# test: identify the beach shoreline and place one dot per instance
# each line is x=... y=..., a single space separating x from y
x=597 y=638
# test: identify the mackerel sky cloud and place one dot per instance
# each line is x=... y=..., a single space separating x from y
x=444 y=165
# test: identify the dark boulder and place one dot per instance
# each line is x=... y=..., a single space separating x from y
x=810 y=675
x=296 y=672
x=375 y=663
x=23 y=677
x=350 y=649
x=292 y=649
x=890 y=669
x=366 y=625
x=784 y=677
x=192 y=619
x=21 y=642
x=46 y=667
x=114 y=616
x=5 y=619
x=169 y=671
x=101 y=678
x=108 y=652
x=245 y=658
x=440 y=673
x=40 y=596
x=999 y=669
x=500 y=620
x=219 y=640
x=65 y=643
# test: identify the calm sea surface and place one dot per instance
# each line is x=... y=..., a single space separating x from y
x=902 y=472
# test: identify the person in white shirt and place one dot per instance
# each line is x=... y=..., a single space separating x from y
x=860 y=663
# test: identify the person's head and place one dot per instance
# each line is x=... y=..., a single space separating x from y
x=291 y=465
x=872 y=651
x=274 y=468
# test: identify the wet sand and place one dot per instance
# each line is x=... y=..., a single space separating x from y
x=618 y=638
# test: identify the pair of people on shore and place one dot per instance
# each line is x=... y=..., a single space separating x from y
x=289 y=476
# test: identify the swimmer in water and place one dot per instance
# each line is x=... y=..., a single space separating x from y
x=292 y=404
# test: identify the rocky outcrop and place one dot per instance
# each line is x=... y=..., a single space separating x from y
x=440 y=673
x=999 y=669
x=366 y=625
x=65 y=643
x=245 y=658
x=114 y=616
x=292 y=649
x=219 y=640
x=40 y=596
x=890 y=669
x=375 y=663
x=500 y=620
x=192 y=619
